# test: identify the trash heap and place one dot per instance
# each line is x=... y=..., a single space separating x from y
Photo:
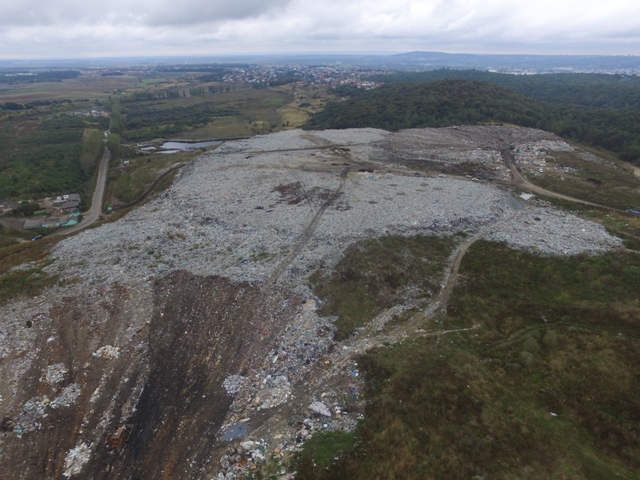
x=242 y=459
x=32 y=412
x=55 y=373
x=76 y=459
x=67 y=397
x=233 y=383
x=107 y=351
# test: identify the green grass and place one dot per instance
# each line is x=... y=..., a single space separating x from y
x=24 y=283
x=127 y=186
x=545 y=388
x=325 y=447
x=379 y=273
x=221 y=115
x=608 y=184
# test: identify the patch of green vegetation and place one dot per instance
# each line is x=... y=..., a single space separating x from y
x=205 y=115
x=604 y=183
x=10 y=237
x=42 y=157
x=623 y=225
x=379 y=273
x=513 y=290
x=24 y=283
x=324 y=448
x=583 y=89
x=127 y=186
x=438 y=104
x=545 y=387
x=91 y=147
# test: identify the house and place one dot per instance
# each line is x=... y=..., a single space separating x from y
x=71 y=197
x=33 y=223
x=68 y=206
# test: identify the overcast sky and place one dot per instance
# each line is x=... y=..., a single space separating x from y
x=82 y=28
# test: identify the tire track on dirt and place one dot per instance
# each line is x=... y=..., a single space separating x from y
x=309 y=229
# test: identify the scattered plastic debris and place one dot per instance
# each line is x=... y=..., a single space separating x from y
x=32 y=412
x=233 y=383
x=321 y=408
x=56 y=373
x=76 y=459
x=67 y=397
x=107 y=352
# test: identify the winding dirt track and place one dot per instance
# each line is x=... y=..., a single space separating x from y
x=520 y=181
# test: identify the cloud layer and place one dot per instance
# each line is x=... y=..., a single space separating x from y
x=69 y=28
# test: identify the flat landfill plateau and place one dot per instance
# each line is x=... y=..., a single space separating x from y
x=183 y=340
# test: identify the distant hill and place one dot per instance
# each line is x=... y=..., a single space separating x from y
x=584 y=89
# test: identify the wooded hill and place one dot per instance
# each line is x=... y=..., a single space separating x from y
x=447 y=102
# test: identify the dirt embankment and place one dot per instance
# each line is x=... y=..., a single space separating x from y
x=165 y=385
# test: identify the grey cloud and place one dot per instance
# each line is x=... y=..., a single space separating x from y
x=72 y=27
x=144 y=12
x=194 y=12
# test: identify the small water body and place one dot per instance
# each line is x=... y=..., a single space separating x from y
x=238 y=430
x=189 y=146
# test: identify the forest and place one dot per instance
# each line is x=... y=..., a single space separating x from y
x=48 y=159
x=598 y=110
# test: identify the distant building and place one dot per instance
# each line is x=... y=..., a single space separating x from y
x=33 y=223
x=71 y=197
x=68 y=206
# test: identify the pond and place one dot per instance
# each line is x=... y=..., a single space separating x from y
x=189 y=146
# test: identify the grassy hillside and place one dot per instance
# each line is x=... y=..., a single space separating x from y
x=544 y=387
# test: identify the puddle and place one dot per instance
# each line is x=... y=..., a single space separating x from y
x=238 y=430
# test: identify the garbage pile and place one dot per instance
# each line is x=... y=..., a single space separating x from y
x=55 y=373
x=233 y=383
x=107 y=351
x=29 y=419
x=242 y=459
x=67 y=397
x=76 y=459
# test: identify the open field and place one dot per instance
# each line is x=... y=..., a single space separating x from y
x=92 y=88
x=238 y=113
x=597 y=178
x=306 y=101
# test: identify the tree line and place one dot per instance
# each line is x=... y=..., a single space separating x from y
x=450 y=102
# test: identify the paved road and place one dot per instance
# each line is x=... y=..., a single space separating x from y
x=94 y=212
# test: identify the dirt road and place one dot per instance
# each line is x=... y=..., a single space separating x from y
x=520 y=181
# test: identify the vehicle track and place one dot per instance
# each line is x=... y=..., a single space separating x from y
x=520 y=181
x=307 y=233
